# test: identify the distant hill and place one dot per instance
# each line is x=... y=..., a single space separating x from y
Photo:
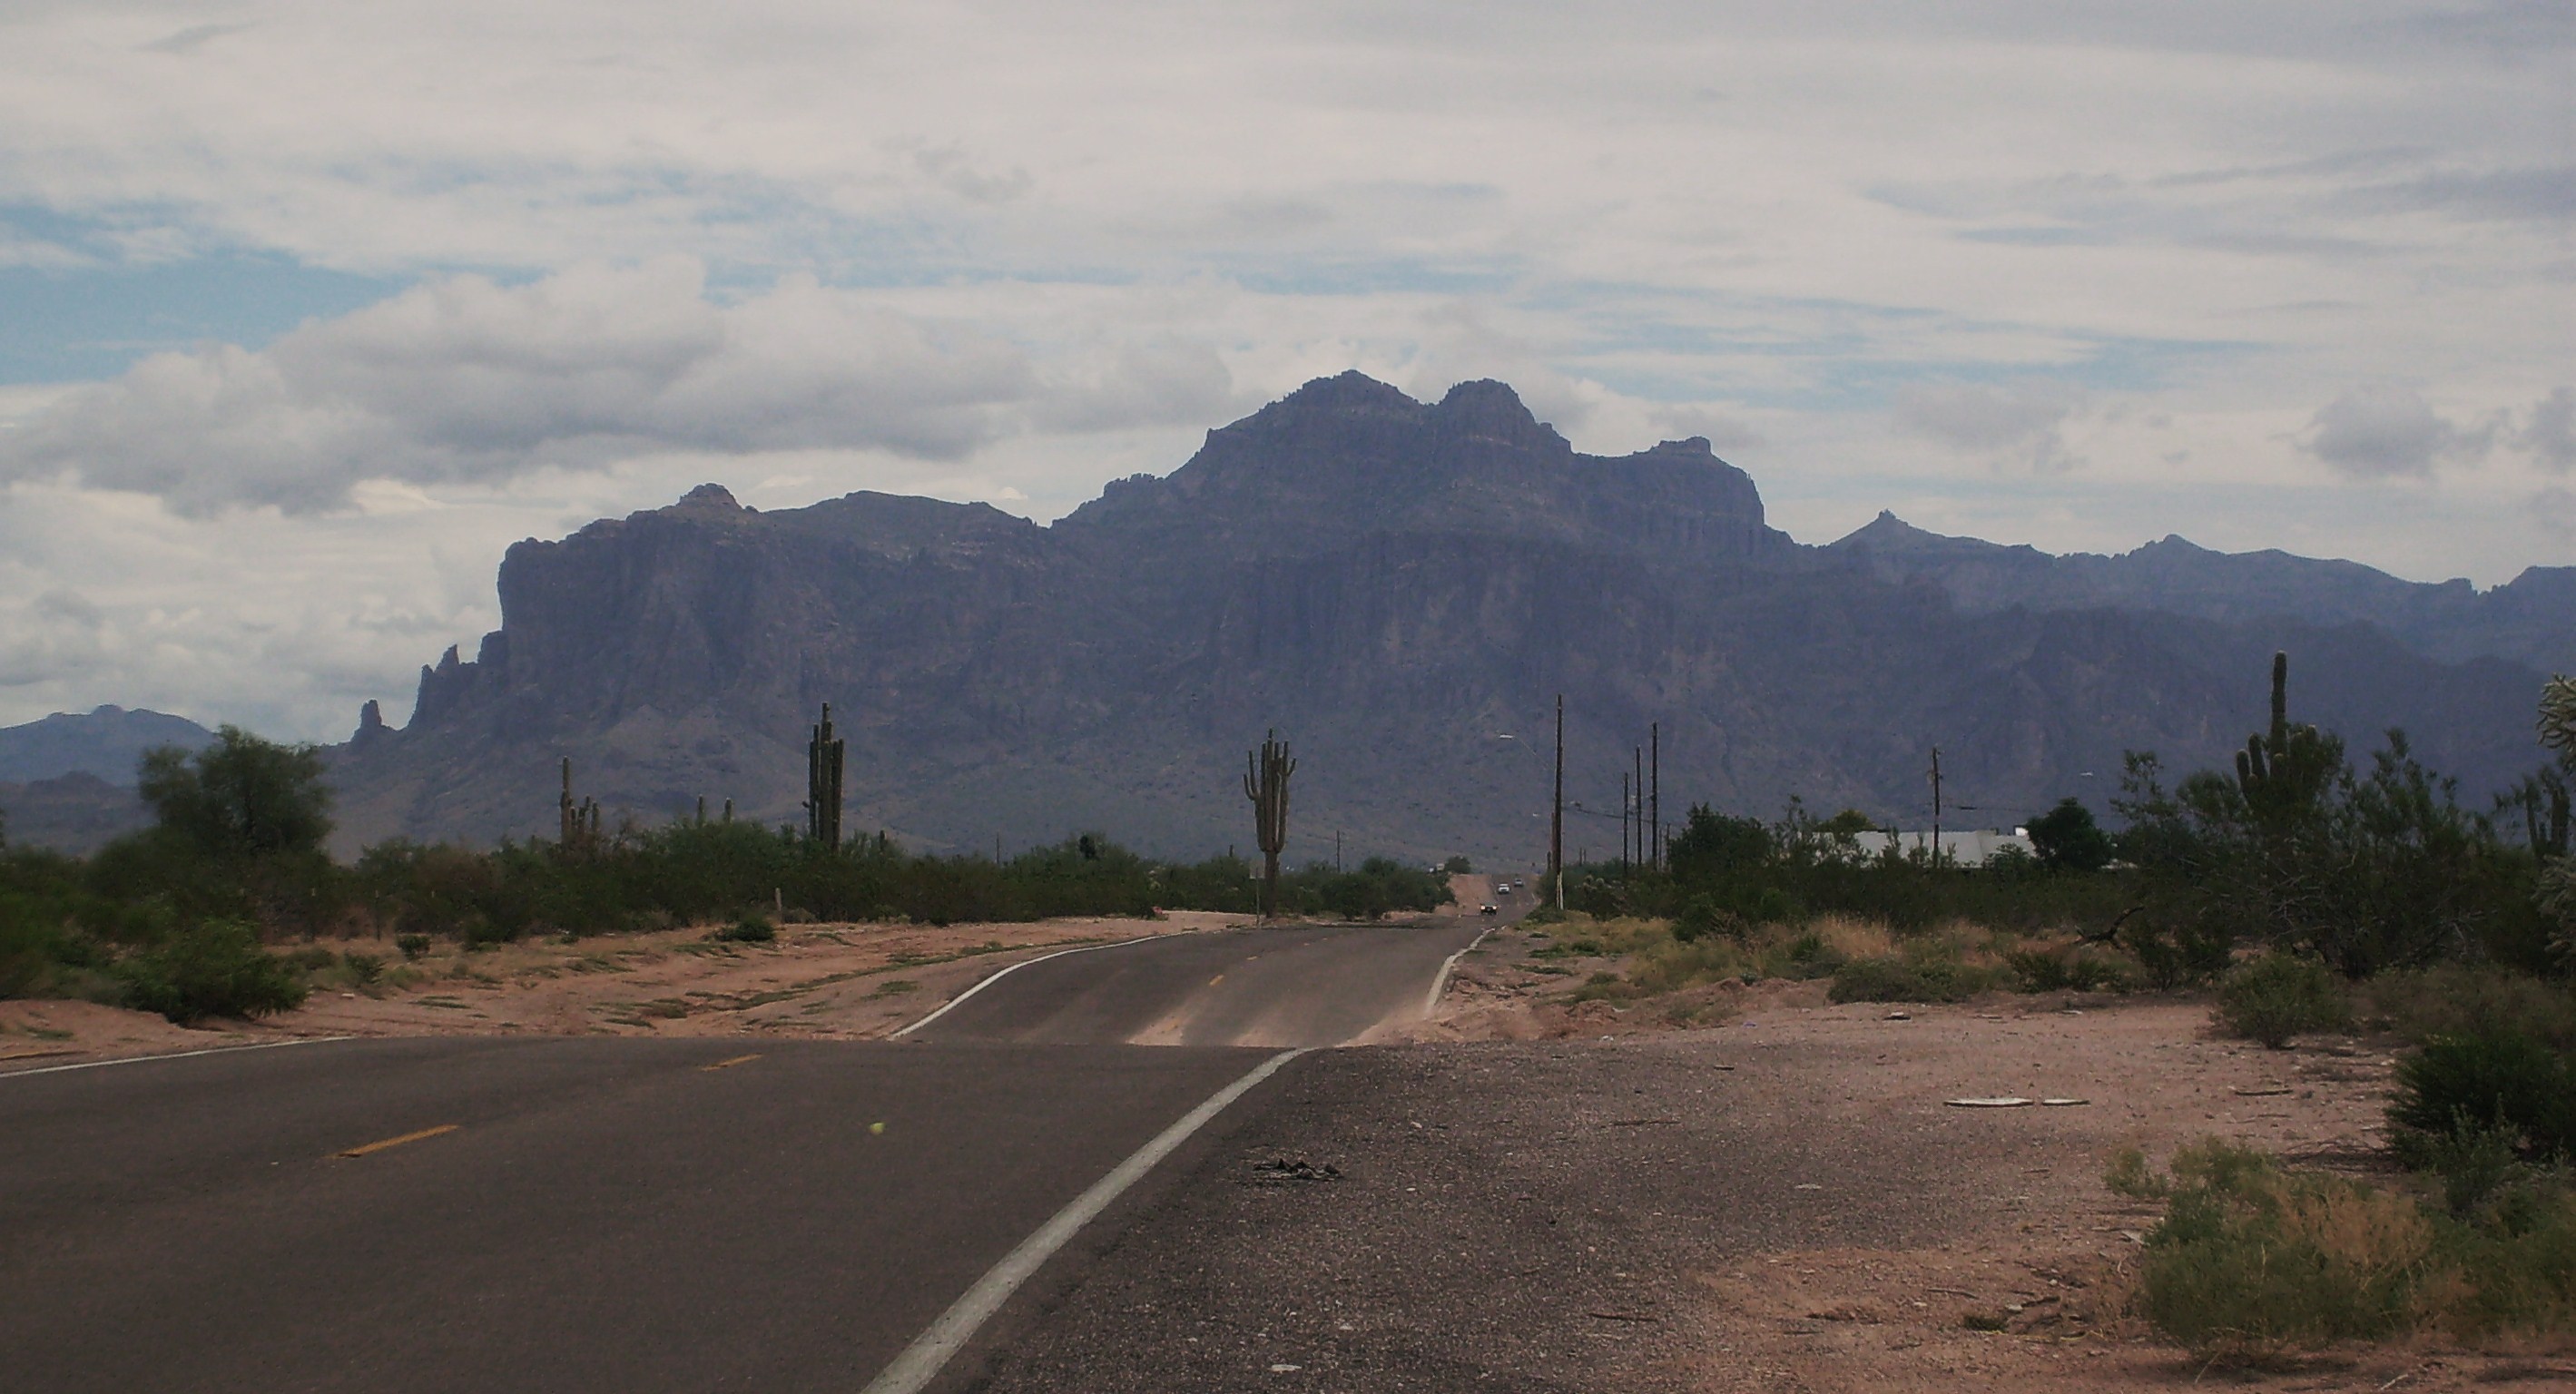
x=1402 y=589
x=77 y=813
x=107 y=742
x=2529 y=620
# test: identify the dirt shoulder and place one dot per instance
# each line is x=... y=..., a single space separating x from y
x=1785 y=1202
x=830 y=981
x=2030 y=1238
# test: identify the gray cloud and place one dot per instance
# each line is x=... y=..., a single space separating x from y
x=2021 y=423
x=2388 y=432
x=2549 y=431
x=191 y=39
x=467 y=381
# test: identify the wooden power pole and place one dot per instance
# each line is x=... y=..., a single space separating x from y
x=1556 y=820
x=1936 y=805
x=1655 y=781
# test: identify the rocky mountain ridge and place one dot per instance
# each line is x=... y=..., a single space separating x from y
x=1402 y=588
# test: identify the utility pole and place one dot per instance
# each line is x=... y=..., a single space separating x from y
x=1640 y=753
x=1936 y=805
x=1556 y=820
x=1623 y=825
x=1655 y=778
x=1337 y=851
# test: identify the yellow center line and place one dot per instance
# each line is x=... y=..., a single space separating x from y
x=398 y=1141
x=728 y=1064
x=1215 y=980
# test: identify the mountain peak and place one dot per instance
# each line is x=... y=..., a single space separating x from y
x=714 y=496
x=1491 y=410
x=1347 y=391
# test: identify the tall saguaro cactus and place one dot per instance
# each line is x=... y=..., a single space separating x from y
x=2283 y=772
x=823 y=759
x=1265 y=782
x=578 y=822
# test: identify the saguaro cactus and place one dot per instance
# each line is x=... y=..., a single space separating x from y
x=1265 y=782
x=577 y=824
x=2282 y=772
x=823 y=759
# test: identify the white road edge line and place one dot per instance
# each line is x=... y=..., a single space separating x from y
x=929 y=1352
x=1448 y=965
x=177 y=1055
x=954 y=1002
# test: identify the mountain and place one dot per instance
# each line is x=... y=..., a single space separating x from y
x=76 y=813
x=107 y=743
x=1402 y=589
x=2529 y=620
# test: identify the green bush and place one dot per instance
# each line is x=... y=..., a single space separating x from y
x=2277 y=997
x=2461 y=1000
x=214 y=969
x=413 y=946
x=750 y=929
x=1907 y=978
x=2251 y=1258
x=2456 y=1085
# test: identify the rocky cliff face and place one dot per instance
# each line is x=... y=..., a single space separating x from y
x=1399 y=587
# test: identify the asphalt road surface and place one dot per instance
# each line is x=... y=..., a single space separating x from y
x=1245 y=987
x=591 y=1214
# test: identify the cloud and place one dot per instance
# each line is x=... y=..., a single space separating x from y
x=192 y=38
x=2549 y=431
x=2389 y=432
x=2555 y=510
x=467 y=381
x=2020 y=422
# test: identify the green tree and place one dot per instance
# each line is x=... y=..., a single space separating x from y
x=2558 y=879
x=1714 y=845
x=2066 y=838
x=241 y=798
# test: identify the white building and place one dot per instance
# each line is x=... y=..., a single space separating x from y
x=1966 y=847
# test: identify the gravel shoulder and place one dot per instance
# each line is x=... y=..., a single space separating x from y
x=1784 y=1202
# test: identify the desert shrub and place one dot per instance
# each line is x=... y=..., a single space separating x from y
x=213 y=969
x=364 y=969
x=1677 y=964
x=749 y=929
x=2466 y=1000
x=1704 y=917
x=413 y=946
x=2171 y=956
x=312 y=958
x=2474 y=1162
x=1911 y=977
x=2049 y=969
x=2251 y=1258
x=2455 y=1085
x=2278 y=996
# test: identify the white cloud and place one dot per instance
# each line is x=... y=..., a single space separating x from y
x=2020 y=423
x=2388 y=432
x=466 y=381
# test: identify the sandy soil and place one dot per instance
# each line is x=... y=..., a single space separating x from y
x=827 y=981
x=2052 y=1259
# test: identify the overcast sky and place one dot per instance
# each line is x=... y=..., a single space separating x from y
x=308 y=310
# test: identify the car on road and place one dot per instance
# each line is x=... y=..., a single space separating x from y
x=1488 y=909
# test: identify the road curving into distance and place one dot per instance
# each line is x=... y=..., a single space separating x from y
x=577 y=1214
x=1242 y=987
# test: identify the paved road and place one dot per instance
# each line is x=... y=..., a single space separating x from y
x=591 y=1214
x=1246 y=987
x=606 y=1215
